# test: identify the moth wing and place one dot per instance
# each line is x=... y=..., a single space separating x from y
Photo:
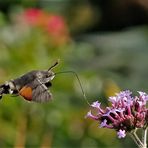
x=26 y=92
x=36 y=91
x=41 y=93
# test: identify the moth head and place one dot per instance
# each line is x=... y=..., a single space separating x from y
x=45 y=76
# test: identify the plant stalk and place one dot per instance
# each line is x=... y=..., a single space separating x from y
x=137 y=140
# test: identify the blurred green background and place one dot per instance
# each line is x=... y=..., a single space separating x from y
x=105 y=42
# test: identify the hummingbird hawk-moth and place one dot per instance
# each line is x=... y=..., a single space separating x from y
x=32 y=86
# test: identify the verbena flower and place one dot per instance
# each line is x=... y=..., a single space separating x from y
x=125 y=114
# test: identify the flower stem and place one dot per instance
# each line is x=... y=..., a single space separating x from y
x=144 y=138
x=137 y=140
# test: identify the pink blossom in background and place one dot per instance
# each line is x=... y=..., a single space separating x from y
x=52 y=24
x=33 y=16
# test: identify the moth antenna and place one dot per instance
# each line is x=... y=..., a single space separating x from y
x=54 y=65
x=80 y=84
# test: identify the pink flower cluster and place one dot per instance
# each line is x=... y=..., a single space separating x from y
x=53 y=24
x=125 y=114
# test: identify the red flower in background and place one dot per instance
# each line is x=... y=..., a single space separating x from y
x=53 y=24
x=56 y=25
x=33 y=16
x=57 y=28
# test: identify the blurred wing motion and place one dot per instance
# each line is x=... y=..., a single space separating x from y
x=36 y=91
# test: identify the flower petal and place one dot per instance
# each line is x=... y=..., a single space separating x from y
x=121 y=133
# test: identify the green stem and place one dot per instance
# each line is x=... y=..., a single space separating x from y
x=144 y=138
x=137 y=140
